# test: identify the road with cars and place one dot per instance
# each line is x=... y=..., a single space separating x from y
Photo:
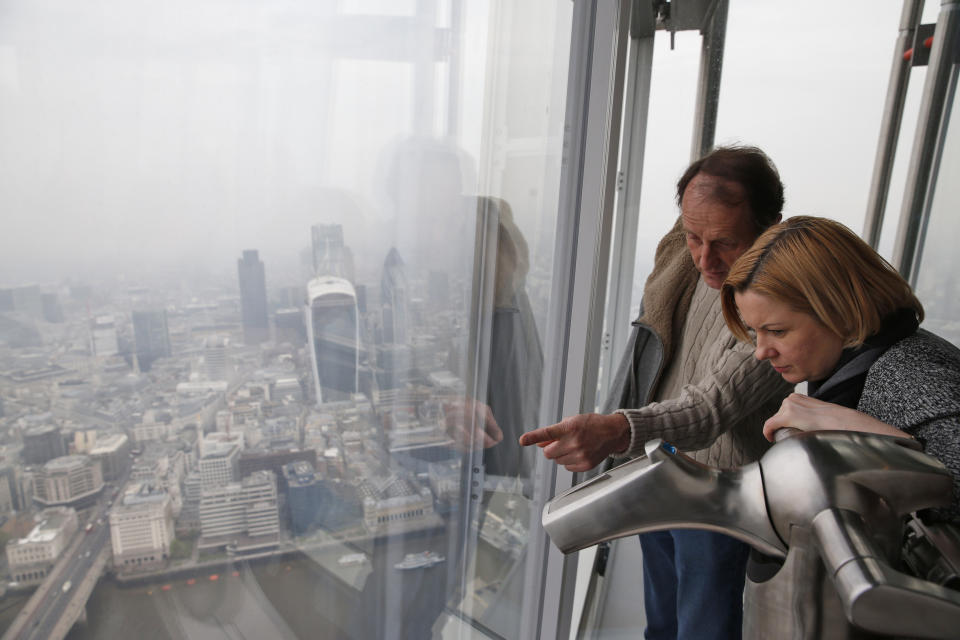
x=60 y=600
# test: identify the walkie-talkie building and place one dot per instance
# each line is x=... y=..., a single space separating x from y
x=334 y=336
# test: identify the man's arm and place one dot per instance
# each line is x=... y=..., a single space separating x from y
x=581 y=442
x=737 y=386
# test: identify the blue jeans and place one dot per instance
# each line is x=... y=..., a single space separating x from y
x=693 y=585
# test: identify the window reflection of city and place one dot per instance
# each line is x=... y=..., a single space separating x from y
x=328 y=433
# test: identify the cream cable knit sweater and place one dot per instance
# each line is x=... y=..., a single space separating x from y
x=714 y=396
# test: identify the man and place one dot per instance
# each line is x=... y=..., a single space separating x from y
x=688 y=381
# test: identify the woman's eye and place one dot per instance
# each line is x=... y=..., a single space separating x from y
x=777 y=333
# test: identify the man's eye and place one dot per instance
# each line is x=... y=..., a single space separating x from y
x=777 y=333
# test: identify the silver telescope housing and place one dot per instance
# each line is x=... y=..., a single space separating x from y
x=832 y=504
x=630 y=499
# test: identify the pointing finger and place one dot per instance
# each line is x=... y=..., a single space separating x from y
x=541 y=435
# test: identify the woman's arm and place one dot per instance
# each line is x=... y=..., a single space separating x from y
x=809 y=414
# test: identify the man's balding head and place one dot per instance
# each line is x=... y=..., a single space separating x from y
x=744 y=174
x=727 y=198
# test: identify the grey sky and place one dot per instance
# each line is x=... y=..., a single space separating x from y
x=169 y=134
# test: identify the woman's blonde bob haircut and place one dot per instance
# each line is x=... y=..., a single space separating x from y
x=820 y=267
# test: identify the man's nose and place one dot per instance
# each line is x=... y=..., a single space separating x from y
x=707 y=257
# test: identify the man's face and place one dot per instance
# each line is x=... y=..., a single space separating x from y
x=717 y=233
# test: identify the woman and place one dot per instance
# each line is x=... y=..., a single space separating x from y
x=825 y=308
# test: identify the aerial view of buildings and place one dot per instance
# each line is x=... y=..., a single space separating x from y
x=197 y=429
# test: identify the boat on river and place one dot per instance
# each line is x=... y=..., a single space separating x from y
x=419 y=560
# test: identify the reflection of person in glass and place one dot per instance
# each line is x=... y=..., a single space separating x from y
x=509 y=396
x=464 y=263
x=515 y=361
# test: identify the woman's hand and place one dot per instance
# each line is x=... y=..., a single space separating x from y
x=809 y=414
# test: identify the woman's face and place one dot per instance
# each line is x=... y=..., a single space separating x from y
x=798 y=345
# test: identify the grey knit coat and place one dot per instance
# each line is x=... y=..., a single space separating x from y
x=915 y=387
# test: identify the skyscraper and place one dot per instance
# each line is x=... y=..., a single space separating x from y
x=52 y=311
x=215 y=358
x=253 y=298
x=327 y=243
x=334 y=335
x=331 y=257
x=393 y=299
x=10 y=497
x=26 y=299
x=151 y=336
x=290 y=325
x=41 y=444
x=103 y=335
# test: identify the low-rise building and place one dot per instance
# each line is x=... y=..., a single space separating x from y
x=240 y=511
x=73 y=481
x=392 y=503
x=31 y=558
x=219 y=464
x=141 y=529
x=113 y=452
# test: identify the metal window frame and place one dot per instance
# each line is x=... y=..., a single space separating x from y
x=581 y=261
x=633 y=143
x=629 y=187
x=890 y=124
x=710 y=17
x=714 y=32
x=591 y=240
x=928 y=142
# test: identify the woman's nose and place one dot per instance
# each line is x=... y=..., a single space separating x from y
x=763 y=351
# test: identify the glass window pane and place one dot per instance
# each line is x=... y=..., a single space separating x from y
x=274 y=283
x=810 y=95
x=807 y=90
x=936 y=284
